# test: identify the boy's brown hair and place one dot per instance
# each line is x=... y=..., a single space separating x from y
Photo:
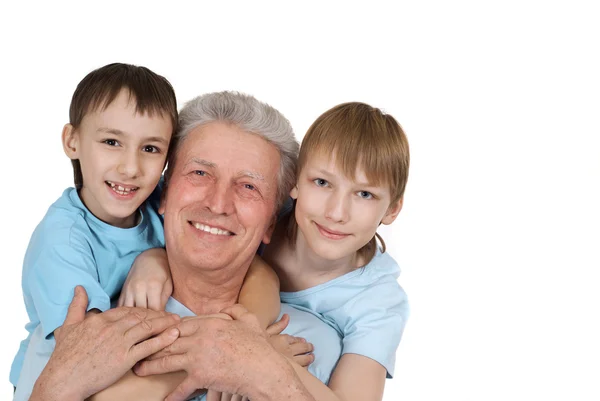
x=152 y=94
x=358 y=135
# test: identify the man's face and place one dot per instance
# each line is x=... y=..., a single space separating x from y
x=221 y=196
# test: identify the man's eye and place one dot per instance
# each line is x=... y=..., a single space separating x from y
x=365 y=194
x=111 y=142
x=321 y=182
x=250 y=187
x=201 y=173
x=151 y=149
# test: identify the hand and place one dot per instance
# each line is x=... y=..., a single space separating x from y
x=149 y=283
x=213 y=395
x=295 y=348
x=94 y=352
x=230 y=356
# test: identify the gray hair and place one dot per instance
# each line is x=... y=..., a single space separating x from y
x=250 y=115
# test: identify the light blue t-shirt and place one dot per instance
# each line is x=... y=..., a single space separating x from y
x=367 y=307
x=327 y=342
x=73 y=247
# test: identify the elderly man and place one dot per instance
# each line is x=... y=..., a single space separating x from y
x=232 y=168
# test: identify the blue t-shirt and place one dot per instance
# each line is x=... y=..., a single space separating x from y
x=327 y=341
x=367 y=307
x=73 y=247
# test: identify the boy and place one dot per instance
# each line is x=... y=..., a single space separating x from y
x=122 y=118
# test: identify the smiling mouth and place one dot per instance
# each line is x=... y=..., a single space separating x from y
x=120 y=189
x=331 y=234
x=211 y=230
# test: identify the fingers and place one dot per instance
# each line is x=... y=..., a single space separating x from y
x=213 y=395
x=181 y=393
x=167 y=290
x=141 y=299
x=300 y=347
x=77 y=308
x=304 y=360
x=237 y=311
x=145 y=328
x=154 y=344
x=279 y=326
x=172 y=363
x=154 y=298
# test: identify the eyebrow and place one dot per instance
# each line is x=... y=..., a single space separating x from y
x=329 y=174
x=202 y=162
x=118 y=132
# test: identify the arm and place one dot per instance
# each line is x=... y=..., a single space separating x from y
x=260 y=292
x=131 y=387
x=356 y=378
x=148 y=283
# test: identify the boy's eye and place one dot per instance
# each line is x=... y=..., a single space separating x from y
x=321 y=182
x=365 y=194
x=151 y=149
x=111 y=142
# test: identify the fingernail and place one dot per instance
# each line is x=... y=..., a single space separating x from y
x=173 y=333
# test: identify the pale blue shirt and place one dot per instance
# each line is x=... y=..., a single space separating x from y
x=327 y=342
x=72 y=247
x=367 y=307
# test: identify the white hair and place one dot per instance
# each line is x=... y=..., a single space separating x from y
x=250 y=115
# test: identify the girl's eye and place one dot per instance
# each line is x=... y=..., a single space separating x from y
x=151 y=149
x=365 y=194
x=111 y=142
x=321 y=182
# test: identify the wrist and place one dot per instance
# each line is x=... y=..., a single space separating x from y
x=278 y=382
x=48 y=387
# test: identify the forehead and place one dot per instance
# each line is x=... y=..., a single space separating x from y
x=122 y=114
x=231 y=150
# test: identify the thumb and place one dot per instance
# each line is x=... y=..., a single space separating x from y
x=77 y=308
x=279 y=326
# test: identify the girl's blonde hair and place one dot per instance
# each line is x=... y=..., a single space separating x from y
x=357 y=135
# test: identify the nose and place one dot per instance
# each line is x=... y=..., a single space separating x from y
x=337 y=207
x=129 y=164
x=220 y=199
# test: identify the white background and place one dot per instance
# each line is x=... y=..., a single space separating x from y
x=499 y=236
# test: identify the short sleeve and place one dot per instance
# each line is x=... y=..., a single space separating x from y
x=373 y=322
x=50 y=277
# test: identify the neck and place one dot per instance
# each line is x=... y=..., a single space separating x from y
x=206 y=292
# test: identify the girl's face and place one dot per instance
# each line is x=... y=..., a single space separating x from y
x=336 y=215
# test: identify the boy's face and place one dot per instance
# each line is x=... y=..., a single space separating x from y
x=122 y=156
x=336 y=215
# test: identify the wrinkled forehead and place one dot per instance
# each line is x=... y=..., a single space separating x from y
x=231 y=151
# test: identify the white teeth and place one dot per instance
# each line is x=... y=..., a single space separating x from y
x=121 y=190
x=211 y=230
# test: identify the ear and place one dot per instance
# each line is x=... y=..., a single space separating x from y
x=392 y=212
x=70 y=141
x=294 y=192
x=267 y=237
